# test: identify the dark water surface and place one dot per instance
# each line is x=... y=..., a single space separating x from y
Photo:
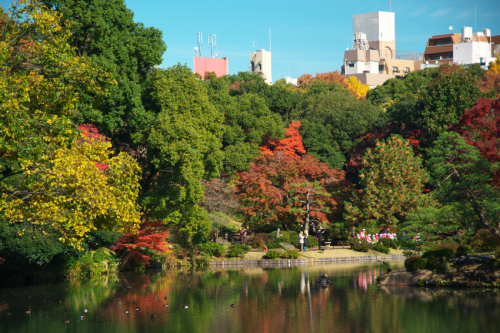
x=265 y=300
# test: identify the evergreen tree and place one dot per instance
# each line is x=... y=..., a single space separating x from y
x=392 y=180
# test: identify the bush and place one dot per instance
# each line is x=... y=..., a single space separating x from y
x=389 y=243
x=419 y=264
x=360 y=245
x=290 y=254
x=485 y=241
x=213 y=249
x=237 y=250
x=273 y=254
x=312 y=241
x=463 y=250
x=381 y=248
x=440 y=252
x=435 y=263
x=274 y=246
x=258 y=240
x=411 y=261
x=497 y=254
x=452 y=246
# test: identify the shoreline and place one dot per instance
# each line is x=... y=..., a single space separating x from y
x=302 y=261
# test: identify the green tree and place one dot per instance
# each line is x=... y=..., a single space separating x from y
x=445 y=100
x=180 y=146
x=463 y=180
x=247 y=121
x=333 y=121
x=392 y=181
x=106 y=32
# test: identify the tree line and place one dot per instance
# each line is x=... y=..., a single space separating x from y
x=101 y=148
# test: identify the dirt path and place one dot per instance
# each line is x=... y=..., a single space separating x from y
x=326 y=254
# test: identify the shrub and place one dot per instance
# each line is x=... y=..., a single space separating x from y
x=463 y=250
x=360 y=245
x=237 y=250
x=497 y=254
x=312 y=241
x=273 y=254
x=435 y=263
x=274 y=246
x=452 y=246
x=440 y=252
x=381 y=248
x=485 y=241
x=290 y=254
x=213 y=249
x=411 y=261
x=258 y=240
x=389 y=243
x=419 y=264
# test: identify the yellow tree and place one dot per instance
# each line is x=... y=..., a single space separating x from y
x=494 y=66
x=355 y=85
x=50 y=178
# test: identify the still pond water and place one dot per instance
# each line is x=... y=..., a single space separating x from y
x=248 y=300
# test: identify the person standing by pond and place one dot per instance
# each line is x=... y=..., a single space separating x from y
x=244 y=238
x=301 y=241
x=319 y=236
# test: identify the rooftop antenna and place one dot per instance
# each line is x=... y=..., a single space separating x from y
x=390 y=6
x=253 y=46
x=269 y=39
x=212 y=42
x=284 y=73
x=475 y=25
x=200 y=35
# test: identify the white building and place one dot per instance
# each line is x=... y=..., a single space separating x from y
x=260 y=61
x=380 y=31
x=473 y=49
x=290 y=80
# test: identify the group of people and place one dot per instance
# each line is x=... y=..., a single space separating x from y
x=376 y=237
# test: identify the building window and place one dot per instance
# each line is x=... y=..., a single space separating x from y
x=253 y=67
x=381 y=68
x=448 y=56
x=395 y=69
x=260 y=67
x=446 y=42
x=351 y=65
x=406 y=70
x=435 y=57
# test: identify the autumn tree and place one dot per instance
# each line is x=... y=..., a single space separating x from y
x=291 y=145
x=352 y=84
x=53 y=179
x=273 y=192
x=392 y=180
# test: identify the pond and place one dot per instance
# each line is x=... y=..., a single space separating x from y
x=248 y=300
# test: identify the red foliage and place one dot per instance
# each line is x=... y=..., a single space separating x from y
x=151 y=236
x=480 y=127
x=90 y=131
x=291 y=145
x=270 y=192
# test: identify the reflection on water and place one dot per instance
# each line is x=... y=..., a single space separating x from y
x=248 y=300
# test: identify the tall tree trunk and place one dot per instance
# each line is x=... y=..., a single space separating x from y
x=308 y=203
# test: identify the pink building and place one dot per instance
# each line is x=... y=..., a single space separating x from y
x=217 y=65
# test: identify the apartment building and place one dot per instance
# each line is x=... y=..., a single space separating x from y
x=260 y=62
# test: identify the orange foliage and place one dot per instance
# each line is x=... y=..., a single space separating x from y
x=291 y=145
x=329 y=77
x=490 y=81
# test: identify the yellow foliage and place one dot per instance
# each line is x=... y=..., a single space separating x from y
x=48 y=173
x=355 y=85
x=494 y=66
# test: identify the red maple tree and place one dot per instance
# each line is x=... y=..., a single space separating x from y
x=480 y=127
x=152 y=236
x=275 y=188
x=291 y=145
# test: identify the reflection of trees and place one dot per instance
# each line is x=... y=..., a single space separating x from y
x=265 y=300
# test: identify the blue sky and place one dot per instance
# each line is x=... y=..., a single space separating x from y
x=307 y=36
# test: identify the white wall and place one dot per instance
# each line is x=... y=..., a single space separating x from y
x=362 y=66
x=378 y=26
x=263 y=57
x=471 y=53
